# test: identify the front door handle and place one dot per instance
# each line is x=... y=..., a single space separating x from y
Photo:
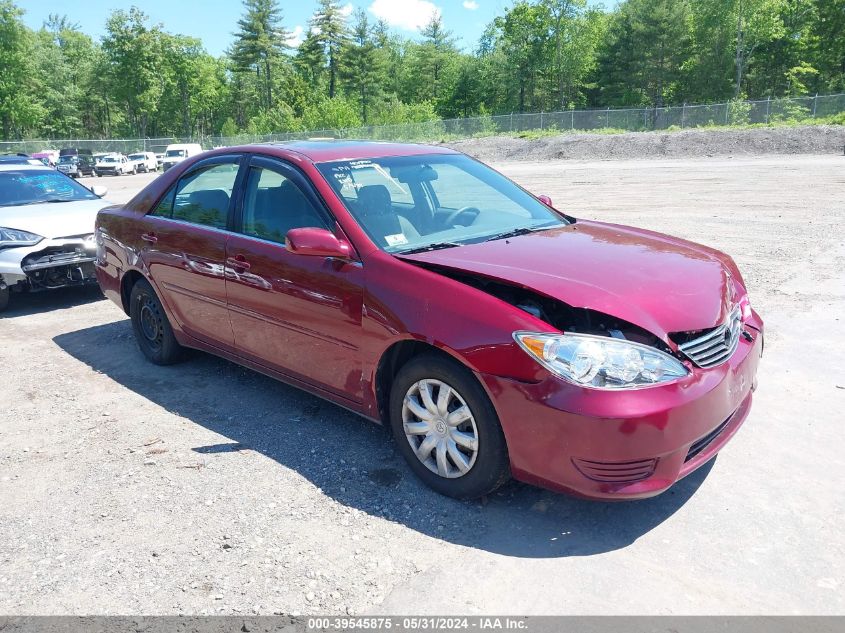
x=150 y=237
x=238 y=261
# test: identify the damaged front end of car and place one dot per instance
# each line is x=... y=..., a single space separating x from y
x=51 y=264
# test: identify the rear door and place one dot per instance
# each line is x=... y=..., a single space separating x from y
x=298 y=314
x=185 y=248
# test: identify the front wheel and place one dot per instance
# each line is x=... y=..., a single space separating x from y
x=152 y=329
x=447 y=429
x=4 y=298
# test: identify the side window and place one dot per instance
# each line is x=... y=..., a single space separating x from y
x=273 y=205
x=201 y=197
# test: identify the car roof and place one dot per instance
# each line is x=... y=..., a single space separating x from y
x=24 y=166
x=331 y=150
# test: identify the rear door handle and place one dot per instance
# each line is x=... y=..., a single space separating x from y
x=238 y=262
x=150 y=237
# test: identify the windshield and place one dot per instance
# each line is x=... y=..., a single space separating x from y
x=175 y=152
x=67 y=160
x=409 y=203
x=111 y=159
x=137 y=157
x=34 y=186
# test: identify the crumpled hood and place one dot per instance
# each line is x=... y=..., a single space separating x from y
x=658 y=282
x=54 y=219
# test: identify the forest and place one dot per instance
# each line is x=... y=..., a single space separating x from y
x=142 y=80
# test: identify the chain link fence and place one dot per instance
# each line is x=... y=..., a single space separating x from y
x=765 y=112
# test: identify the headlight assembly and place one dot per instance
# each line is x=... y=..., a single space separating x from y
x=10 y=238
x=601 y=362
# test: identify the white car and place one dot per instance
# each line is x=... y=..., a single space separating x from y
x=177 y=152
x=144 y=161
x=46 y=230
x=115 y=165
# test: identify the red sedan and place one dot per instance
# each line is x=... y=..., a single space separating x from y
x=419 y=288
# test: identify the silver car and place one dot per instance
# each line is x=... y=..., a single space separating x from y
x=46 y=230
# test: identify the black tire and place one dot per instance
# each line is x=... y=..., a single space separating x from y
x=152 y=329
x=4 y=298
x=491 y=467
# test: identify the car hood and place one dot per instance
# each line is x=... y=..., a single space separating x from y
x=658 y=282
x=53 y=219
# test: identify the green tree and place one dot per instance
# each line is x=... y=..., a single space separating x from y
x=19 y=109
x=260 y=43
x=135 y=63
x=363 y=70
x=648 y=46
x=435 y=60
x=329 y=26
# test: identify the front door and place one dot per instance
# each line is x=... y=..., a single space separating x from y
x=185 y=249
x=298 y=314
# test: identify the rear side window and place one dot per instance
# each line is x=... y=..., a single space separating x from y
x=201 y=197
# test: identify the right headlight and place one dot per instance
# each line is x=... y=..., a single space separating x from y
x=601 y=362
x=11 y=238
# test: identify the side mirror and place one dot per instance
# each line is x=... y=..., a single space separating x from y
x=546 y=200
x=318 y=242
x=99 y=190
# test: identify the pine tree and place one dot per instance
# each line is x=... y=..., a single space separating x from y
x=437 y=48
x=329 y=26
x=260 y=42
x=363 y=69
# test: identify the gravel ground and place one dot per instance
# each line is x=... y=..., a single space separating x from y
x=206 y=488
x=810 y=139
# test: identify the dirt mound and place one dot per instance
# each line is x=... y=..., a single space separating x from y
x=810 y=139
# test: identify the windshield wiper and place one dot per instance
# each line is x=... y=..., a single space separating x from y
x=523 y=230
x=429 y=247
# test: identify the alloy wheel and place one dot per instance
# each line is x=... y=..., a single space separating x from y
x=440 y=428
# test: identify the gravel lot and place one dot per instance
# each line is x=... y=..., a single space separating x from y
x=206 y=488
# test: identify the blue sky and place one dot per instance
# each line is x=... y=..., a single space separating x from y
x=213 y=21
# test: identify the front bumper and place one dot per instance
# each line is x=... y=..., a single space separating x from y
x=52 y=263
x=73 y=172
x=625 y=444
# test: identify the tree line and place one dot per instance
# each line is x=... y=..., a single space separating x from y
x=140 y=80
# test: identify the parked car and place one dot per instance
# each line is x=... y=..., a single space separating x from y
x=115 y=165
x=77 y=165
x=160 y=158
x=46 y=230
x=495 y=335
x=144 y=161
x=177 y=152
x=48 y=157
x=19 y=159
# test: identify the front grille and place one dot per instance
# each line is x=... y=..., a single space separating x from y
x=702 y=443
x=716 y=345
x=616 y=472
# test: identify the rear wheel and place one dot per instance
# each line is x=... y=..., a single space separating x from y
x=152 y=329
x=4 y=298
x=447 y=429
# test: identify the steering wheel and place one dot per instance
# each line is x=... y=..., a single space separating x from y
x=450 y=219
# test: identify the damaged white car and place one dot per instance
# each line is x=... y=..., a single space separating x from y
x=46 y=230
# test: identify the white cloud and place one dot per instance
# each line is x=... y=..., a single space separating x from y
x=472 y=5
x=410 y=15
x=296 y=36
x=347 y=10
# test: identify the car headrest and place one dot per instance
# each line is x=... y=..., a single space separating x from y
x=374 y=200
